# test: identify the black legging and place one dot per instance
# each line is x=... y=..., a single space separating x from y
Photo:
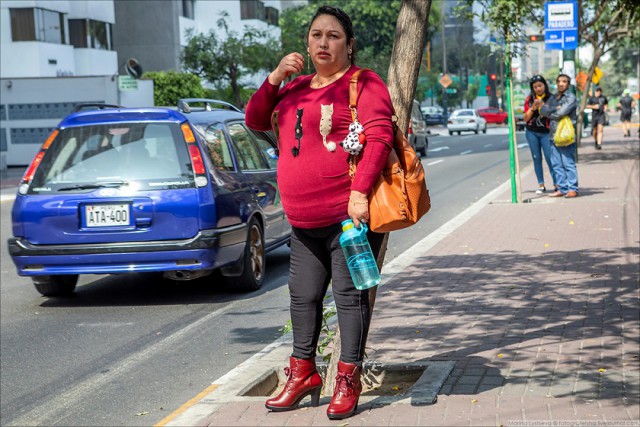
x=316 y=260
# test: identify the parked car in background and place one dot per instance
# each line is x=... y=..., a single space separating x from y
x=466 y=120
x=520 y=123
x=433 y=115
x=493 y=115
x=417 y=131
x=121 y=190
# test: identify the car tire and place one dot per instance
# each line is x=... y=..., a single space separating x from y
x=56 y=286
x=459 y=132
x=423 y=150
x=254 y=260
x=485 y=129
x=477 y=130
x=450 y=133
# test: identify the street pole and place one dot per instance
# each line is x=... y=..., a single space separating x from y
x=444 y=72
x=514 y=164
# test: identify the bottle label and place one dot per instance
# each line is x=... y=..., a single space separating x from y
x=362 y=261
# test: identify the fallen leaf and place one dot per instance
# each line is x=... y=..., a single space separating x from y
x=571 y=222
x=343 y=424
x=474 y=400
x=395 y=388
x=546 y=245
x=500 y=355
x=417 y=332
x=602 y=370
x=142 y=413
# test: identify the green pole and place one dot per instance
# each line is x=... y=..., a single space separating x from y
x=514 y=166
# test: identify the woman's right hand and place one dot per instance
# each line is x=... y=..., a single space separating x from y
x=290 y=64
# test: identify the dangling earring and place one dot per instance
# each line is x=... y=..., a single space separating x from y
x=308 y=60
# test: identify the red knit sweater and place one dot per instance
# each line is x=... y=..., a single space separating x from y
x=315 y=185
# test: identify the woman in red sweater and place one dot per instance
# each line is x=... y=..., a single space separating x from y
x=311 y=119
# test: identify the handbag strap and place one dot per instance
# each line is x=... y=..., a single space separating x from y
x=353 y=99
x=353 y=93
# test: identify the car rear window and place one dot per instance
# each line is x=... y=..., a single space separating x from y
x=143 y=155
x=463 y=113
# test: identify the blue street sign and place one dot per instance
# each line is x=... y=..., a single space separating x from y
x=561 y=25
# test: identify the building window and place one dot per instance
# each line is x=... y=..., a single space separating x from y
x=187 y=8
x=90 y=33
x=271 y=15
x=78 y=32
x=252 y=9
x=23 y=26
x=34 y=24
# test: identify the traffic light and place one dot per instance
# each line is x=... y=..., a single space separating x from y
x=536 y=38
x=488 y=90
x=493 y=77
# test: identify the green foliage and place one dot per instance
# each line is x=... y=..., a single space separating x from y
x=327 y=332
x=226 y=60
x=471 y=94
x=170 y=86
x=374 y=25
x=226 y=94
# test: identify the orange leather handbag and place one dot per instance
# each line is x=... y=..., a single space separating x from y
x=400 y=196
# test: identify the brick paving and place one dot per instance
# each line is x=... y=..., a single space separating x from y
x=537 y=303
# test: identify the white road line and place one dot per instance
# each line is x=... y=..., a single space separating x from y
x=466 y=152
x=398 y=265
x=51 y=411
x=487 y=145
x=7 y=197
x=434 y=150
x=435 y=162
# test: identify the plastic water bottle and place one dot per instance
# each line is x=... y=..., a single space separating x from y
x=360 y=260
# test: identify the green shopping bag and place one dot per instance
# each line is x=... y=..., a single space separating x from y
x=565 y=133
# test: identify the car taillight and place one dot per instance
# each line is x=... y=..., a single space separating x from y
x=28 y=175
x=472 y=121
x=450 y=121
x=195 y=155
x=409 y=130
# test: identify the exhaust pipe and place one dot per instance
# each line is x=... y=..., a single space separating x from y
x=183 y=275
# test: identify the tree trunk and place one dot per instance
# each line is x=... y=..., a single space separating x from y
x=597 y=54
x=408 y=46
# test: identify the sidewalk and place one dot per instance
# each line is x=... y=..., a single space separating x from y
x=535 y=303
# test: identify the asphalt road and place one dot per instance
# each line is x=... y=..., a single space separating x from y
x=131 y=349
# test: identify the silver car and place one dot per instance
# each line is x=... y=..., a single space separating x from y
x=466 y=120
x=417 y=131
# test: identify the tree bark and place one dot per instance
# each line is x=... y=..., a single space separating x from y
x=408 y=46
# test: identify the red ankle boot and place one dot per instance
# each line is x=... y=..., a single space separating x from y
x=346 y=393
x=302 y=380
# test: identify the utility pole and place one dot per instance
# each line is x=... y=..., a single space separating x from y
x=444 y=72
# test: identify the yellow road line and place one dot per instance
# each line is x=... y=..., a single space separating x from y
x=187 y=405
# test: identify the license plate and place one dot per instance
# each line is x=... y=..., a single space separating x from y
x=107 y=215
x=459 y=121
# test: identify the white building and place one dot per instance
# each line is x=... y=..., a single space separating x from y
x=55 y=54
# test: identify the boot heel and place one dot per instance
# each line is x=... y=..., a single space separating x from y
x=315 y=397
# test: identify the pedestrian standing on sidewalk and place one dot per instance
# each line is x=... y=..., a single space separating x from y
x=310 y=116
x=563 y=159
x=537 y=129
x=598 y=105
x=626 y=105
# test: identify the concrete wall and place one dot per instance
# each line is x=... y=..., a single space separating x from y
x=149 y=32
x=31 y=108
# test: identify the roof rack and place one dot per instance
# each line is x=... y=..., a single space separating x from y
x=93 y=106
x=183 y=104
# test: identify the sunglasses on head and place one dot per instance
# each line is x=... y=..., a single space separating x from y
x=537 y=78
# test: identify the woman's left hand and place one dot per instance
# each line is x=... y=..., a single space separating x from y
x=358 y=208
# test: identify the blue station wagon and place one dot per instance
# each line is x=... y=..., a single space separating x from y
x=117 y=190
